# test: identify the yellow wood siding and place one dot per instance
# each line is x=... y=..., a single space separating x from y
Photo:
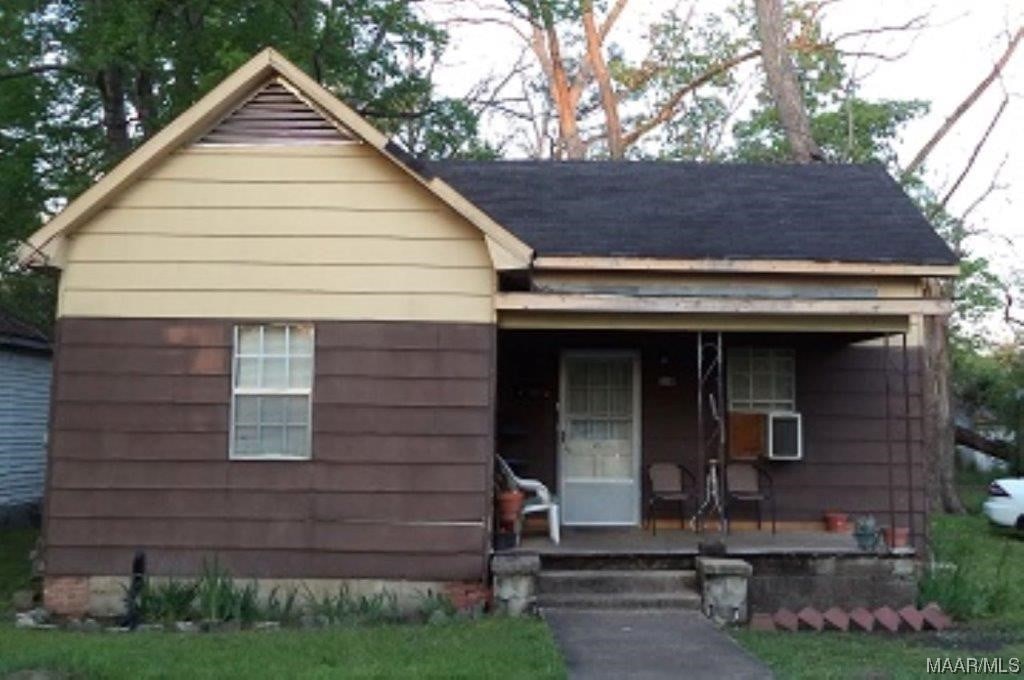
x=331 y=232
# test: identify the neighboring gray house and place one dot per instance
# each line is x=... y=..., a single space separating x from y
x=24 y=410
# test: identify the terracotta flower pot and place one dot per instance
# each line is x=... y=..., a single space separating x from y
x=837 y=522
x=510 y=504
x=901 y=538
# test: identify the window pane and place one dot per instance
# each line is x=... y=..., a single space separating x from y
x=274 y=340
x=298 y=410
x=247 y=373
x=298 y=441
x=301 y=341
x=763 y=386
x=739 y=385
x=600 y=429
x=247 y=410
x=598 y=402
x=784 y=387
x=272 y=440
x=621 y=372
x=272 y=410
x=247 y=440
x=577 y=400
x=249 y=340
x=275 y=373
x=301 y=372
x=622 y=429
x=620 y=405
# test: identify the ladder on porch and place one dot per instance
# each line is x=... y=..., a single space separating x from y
x=711 y=428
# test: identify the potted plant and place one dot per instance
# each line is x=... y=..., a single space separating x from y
x=837 y=522
x=896 y=537
x=509 y=501
x=865 y=531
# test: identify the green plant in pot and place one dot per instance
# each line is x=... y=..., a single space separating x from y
x=865 y=531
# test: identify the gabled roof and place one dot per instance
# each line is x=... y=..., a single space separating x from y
x=507 y=251
x=17 y=333
x=678 y=215
x=820 y=212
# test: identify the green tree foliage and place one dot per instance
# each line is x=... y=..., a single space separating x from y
x=83 y=82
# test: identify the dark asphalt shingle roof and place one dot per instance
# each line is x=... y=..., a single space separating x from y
x=845 y=213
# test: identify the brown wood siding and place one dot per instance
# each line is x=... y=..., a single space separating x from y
x=275 y=115
x=840 y=391
x=398 y=485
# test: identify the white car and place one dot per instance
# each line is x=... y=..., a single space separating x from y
x=1005 y=504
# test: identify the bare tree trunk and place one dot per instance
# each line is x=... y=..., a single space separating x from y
x=990 y=447
x=110 y=82
x=568 y=125
x=782 y=81
x=145 y=103
x=609 y=100
x=939 y=435
x=547 y=48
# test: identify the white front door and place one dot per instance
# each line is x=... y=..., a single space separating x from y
x=599 y=438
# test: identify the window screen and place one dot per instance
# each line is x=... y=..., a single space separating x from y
x=272 y=391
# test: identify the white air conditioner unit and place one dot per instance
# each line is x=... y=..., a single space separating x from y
x=785 y=436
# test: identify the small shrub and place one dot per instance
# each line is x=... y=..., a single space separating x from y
x=344 y=609
x=282 y=609
x=332 y=609
x=247 y=609
x=436 y=606
x=168 y=601
x=380 y=607
x=219 y=599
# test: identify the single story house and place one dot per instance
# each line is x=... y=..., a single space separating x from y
x=284 y=342
x=24 y=409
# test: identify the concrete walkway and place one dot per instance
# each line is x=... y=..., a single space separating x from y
x=648 y=645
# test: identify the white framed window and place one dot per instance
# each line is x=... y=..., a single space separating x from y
x=271 y=395
x=761 y=379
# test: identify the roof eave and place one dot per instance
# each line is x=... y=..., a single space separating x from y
x=745 y=266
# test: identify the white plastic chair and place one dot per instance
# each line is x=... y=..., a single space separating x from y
x=539 y=499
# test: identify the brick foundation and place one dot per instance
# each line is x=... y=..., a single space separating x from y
x=66 y=595
x=468 y=595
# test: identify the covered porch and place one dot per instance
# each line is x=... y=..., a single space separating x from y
x=589 y=411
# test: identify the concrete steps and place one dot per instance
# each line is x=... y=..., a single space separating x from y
x=618 y=589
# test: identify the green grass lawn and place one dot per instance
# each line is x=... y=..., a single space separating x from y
x=986 y=591
x=491 y=647
x=488 y=648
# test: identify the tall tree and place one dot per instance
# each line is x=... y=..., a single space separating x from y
x=772 y=29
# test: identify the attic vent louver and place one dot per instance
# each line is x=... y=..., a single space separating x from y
x=275 y=116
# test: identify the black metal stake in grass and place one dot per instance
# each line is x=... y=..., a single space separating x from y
x=132 y=613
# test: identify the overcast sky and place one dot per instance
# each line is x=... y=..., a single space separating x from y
x=944 y=61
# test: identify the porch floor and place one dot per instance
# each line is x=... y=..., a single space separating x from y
x=641 y=542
